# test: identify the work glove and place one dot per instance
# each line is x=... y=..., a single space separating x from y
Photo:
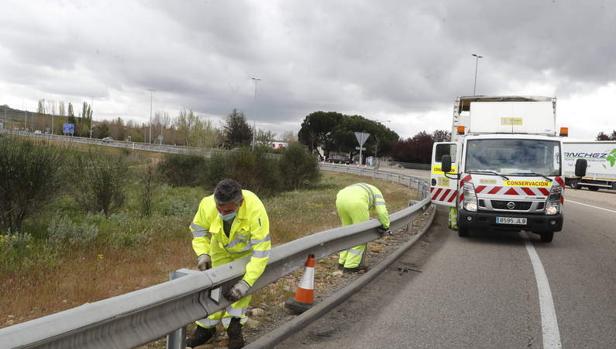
x=383 y=231
x=238 y=291
x=204 y=262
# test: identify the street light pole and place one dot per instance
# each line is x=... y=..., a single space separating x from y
x=150 y=136
x=254 y=122
x=476 y=65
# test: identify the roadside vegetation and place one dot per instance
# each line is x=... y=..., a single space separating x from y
x=99 y=223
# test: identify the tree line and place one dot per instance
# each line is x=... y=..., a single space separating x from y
x=605 y=137
x=331 y=134
x=185 y=129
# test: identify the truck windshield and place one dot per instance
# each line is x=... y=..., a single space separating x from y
x=514 y=156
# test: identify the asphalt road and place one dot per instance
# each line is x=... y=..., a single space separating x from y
x=484 y=291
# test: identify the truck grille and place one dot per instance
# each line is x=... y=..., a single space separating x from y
x=519 y=205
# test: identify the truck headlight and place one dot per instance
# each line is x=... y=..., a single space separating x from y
x=470 y=198
x=552 y=205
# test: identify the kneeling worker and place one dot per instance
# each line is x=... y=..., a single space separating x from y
x=229 y=225
x=354 y=204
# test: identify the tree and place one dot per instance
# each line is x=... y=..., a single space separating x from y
x=236 y=131
x=316 y=131
x=418 y=149
x=333 y=131
x=61 y=110
x=101 y=130
x=603 y=137
x=265 y=137
x=41 y=106
x=51 y=107
x=117 y=129
x=441 y=136
x=71 y=114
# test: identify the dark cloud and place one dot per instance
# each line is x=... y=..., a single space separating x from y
x=386 y=59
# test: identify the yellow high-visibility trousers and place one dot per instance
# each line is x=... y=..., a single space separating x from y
x=352 y=211
x=237 y=309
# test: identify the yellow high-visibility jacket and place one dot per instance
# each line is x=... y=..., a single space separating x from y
x=369 y=194
x=249 y=235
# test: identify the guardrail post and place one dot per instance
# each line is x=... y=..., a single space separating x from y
x=177 y=338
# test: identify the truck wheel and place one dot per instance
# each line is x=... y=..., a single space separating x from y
x=547 y=236
x=462 y=231
x=574 y=184
x=593 y=188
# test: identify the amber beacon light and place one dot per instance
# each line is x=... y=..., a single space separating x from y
x=564 y=131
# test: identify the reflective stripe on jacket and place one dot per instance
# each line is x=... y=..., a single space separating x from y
x=249 y=235
x=371 y=195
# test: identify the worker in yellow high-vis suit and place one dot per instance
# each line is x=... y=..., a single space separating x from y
x=354 y=204
x=229 y=225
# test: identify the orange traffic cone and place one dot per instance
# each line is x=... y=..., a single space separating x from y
x=304 y=295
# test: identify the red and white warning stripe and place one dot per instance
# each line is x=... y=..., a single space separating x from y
x=443 y=194
x=464 y=179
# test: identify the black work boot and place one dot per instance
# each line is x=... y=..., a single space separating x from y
x=236 y=340
x=200 y=336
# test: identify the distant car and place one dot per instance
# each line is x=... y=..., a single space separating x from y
x=107 y=139
x=38 y=132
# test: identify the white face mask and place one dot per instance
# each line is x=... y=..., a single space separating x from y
x=228 y=217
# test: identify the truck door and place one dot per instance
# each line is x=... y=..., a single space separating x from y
x=444 y=188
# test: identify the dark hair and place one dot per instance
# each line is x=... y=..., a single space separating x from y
x=227 y=190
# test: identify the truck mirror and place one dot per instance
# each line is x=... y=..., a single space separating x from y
x=580 y=167
x=446 y=163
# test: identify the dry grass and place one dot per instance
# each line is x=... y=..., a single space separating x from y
x=89 y=275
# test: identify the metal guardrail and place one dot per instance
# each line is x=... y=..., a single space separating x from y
x=158 y=148
x=145 y=315
x=420 y=184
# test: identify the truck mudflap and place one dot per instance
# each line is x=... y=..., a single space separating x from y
x=488 y=220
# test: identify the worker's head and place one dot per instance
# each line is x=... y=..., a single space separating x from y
x=228 y=196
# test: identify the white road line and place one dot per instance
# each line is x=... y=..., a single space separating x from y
x=598 y=208
x=549 y=324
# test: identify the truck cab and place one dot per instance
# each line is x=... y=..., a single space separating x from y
x=503 y=168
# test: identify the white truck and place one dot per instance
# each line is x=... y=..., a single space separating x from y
x=600 y=157
x=503 y=168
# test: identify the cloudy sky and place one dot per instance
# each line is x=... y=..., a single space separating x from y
x=399 y=62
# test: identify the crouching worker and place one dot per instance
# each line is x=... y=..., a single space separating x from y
x=229 y=225
x=354 y=204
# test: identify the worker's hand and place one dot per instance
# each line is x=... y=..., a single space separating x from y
x=383 y=231
x=238 y=291
x=204 y=262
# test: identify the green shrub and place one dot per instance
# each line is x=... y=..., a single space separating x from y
x=254 y=170
x=63 y=231
x=216 y=169
x=182 y=170
x=124 y=230
x=28 y=177
x=174 y=206
x=257 y=170
x=147 y=189
x=22 y=251
x=298 y=167
x=99 y=183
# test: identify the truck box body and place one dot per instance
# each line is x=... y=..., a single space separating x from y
x=511 y=117
x=506 y=166
x=601 y=159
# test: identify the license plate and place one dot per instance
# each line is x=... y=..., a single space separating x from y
x=511 y=220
